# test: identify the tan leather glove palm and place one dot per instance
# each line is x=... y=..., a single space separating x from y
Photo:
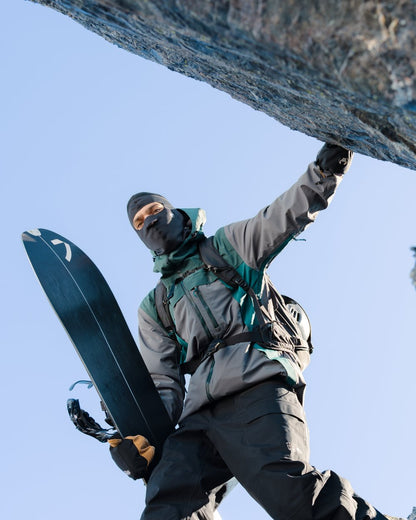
x=132 y=455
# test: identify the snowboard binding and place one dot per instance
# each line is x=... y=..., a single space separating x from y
x=87 y=424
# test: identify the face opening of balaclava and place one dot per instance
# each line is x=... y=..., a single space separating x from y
x=163 y=232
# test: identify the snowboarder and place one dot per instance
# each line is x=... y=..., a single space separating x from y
x=245 y=350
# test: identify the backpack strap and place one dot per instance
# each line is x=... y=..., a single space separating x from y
x=211 y=257
x=230 y=276
x=220 y=267
x=214 y=262
x=263 y=333
x=163 y=311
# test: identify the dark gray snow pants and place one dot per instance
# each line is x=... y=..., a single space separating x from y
x=260 y=436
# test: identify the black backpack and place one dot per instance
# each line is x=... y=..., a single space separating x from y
x=290 y=313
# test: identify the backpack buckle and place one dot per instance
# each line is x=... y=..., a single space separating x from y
x=215 y=346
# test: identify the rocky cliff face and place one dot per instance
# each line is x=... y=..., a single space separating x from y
x=342 y=71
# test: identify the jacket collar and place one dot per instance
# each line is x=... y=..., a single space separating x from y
x=183 y=258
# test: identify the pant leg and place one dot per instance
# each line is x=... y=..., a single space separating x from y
x=209 y=510
x=184 y=483
x=263 y=438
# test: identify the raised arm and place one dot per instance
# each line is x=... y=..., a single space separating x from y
x=259 y=239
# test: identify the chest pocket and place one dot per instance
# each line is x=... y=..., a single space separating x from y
x=202 y=308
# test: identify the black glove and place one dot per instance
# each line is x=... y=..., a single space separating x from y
x=333 y=159
x=132 y=455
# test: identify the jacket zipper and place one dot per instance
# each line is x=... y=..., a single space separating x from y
x=201 y=318
x=204 y=304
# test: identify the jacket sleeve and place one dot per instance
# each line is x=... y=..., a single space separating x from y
x=160 y=354
x=259 y=239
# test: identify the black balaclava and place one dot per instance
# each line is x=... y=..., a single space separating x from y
x=163 y=232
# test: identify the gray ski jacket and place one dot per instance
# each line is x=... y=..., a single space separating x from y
x=205 y=309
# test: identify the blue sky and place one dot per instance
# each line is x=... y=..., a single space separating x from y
x=83 y=126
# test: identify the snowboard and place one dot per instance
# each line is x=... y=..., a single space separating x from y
x=95 y=324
